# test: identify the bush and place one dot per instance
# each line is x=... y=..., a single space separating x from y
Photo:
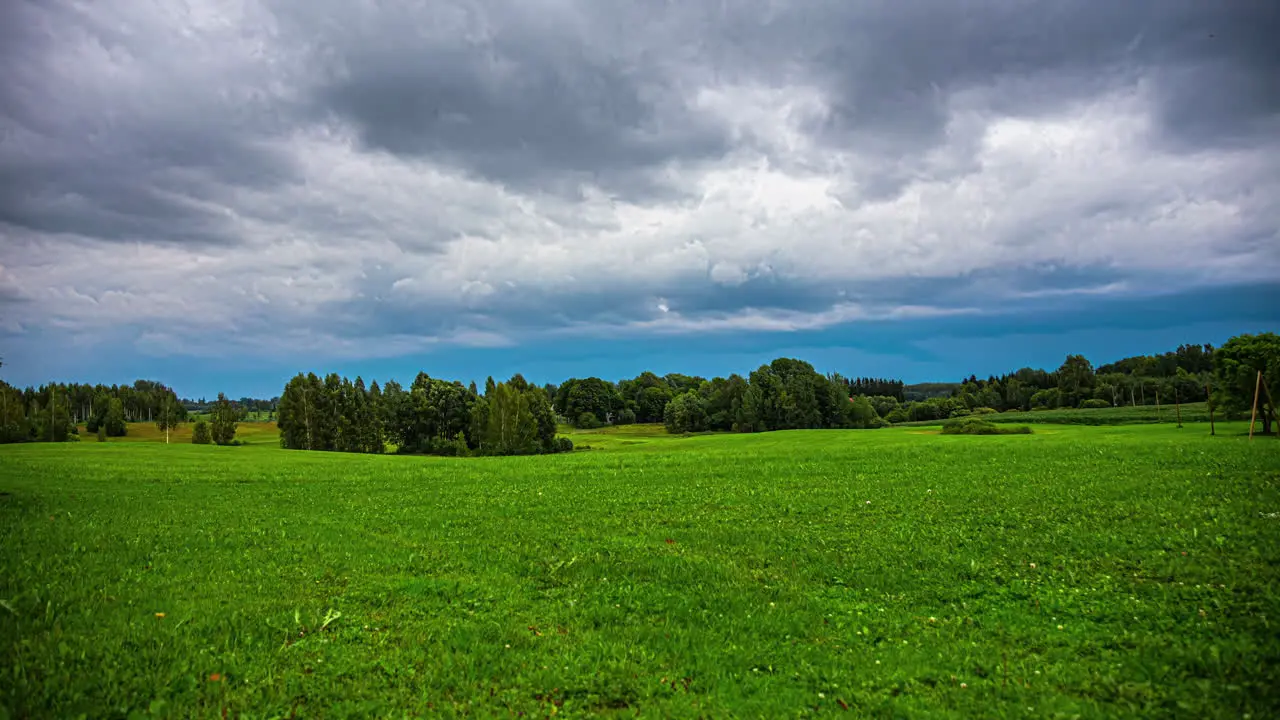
x=1094 y=403
x=437 y=446
x=983 y=411
x=876 y=423
x=102 y=433
x=460 y=448
x=978 y=426
x=588 y=421
x=201 y=434
x=562 y=445
x=897 y=415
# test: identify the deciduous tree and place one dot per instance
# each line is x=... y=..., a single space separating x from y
x=225 y=417
x=1236 y=367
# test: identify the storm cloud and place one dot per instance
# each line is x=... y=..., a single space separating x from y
x=372 y=179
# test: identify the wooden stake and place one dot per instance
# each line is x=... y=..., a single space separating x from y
x=1254 y=415
x=1208 y=400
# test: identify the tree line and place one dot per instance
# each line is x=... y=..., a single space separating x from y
x=263 y=406
x=1226 y=376
x=433 y=416
x=445 y=417
x=789 y=393
x=785 y=394
x=53 y=412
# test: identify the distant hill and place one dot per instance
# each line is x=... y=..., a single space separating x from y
x=924 y=391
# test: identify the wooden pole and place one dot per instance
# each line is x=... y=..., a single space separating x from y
x=1208 y=400
x=1254 y=415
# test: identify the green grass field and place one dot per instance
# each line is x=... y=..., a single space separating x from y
x=1092 y=572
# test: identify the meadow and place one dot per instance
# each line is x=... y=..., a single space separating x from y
x=1129 y=571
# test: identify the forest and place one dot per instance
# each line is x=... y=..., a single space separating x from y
x=515 y=417
x=54 y=411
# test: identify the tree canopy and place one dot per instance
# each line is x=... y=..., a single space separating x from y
x=1237 y=365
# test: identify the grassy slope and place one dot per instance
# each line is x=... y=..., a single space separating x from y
x=674 y=577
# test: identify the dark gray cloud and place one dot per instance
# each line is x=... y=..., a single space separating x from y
x=458 y=171
x=593 y=91
x=103 y=136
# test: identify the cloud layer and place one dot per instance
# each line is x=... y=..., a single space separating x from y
x=360 y=179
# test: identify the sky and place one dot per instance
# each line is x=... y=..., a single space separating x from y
x=218 y=194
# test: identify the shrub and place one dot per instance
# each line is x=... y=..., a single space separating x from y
x=876 y=423
x=588 y=421
x=1094 y=403
x=201 y=433
x=562 y=445
x=460 y=448
x=437 y=446
x=983 y=411
x=978 y=426
x=897 y=415
x=102 y=433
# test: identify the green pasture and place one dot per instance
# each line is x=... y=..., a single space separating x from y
x=1091 y=572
